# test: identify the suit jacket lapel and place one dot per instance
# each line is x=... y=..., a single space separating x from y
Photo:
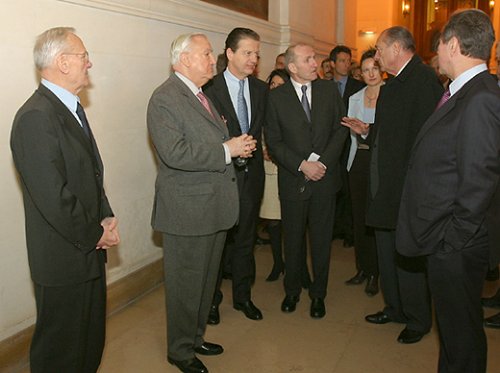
x=215 y=120
x=295 y=103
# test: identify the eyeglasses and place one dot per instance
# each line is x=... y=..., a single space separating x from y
x=84 y=56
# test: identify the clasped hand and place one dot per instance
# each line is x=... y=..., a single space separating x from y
x=242 y=146
x=313 y=171
x=110 y=236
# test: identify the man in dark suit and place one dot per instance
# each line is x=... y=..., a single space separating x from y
x=196 y=199
x=69 y=222
x=404 y=104
x=241 y=99
x=340 y=63
x=305 y=138
x=451 y=197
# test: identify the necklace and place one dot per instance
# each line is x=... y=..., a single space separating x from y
x=372 y=98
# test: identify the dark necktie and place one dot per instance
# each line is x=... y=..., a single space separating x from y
x=203 y=99
x=242 y=109
x=446 y=96
x=305 y=103
x=83 y=118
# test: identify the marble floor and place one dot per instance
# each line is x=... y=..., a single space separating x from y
x=342 y=342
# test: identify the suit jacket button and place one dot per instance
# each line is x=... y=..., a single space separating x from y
x=302 y=189
x=97 y=174
x=233 y=179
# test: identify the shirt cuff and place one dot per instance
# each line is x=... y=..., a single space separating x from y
x=227 y=154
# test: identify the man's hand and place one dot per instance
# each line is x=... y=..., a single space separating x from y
x=359 y=127
x=313 y=170
x=241 y=146
x=110 y=237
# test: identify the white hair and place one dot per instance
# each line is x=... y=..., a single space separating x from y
x=180 y=45
x=49 y=44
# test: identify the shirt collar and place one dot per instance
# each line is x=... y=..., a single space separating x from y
x=230 y=76
x=403 y=67
x=66 y=97
x=192 y=87
x=463 y=78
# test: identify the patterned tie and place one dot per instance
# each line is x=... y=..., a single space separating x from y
x=242 y=109
x=203 y=99
x=446 y=96
x=83 y=118
x=305 y=103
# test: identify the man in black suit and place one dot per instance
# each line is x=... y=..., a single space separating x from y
x=305 y=138
x=404 y=104
x=241 y=99
x=69 y=222
x=450 y=203
x=340 y=64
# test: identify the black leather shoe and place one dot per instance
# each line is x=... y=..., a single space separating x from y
x=378 y=318
x=493 y=321
x=358 y=279
x=213 y=315
x=493 y=302
x=371 y=287
x=317 y=308
x=249 y=309
x=193 y=365
x=289 y=303
x=408 y=336
x=208 y=349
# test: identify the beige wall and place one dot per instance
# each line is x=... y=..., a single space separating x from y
x=128 y=41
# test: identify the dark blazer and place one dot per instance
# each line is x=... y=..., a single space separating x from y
x=196 y=192
x=291 y=138
x=251 y=177
x=452 y=189
x=404 y=104
x=61 y=175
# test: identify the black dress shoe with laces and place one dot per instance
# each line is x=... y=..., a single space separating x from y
x=493 y=321
x=213 y=315
x=317 y=308
x=289 y=303
x=371 y=287
x=249 y=309
x=193 y=365
x=408 y=336
x=358 y=279
x=209 y=349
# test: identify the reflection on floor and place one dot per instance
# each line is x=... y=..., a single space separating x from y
x=342 y=342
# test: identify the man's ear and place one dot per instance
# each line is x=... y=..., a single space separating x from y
x=453 y=46
x=229 y=54
x=62 y=63
x=292 y=68
x=184 y=59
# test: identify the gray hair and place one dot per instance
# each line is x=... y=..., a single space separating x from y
x=49 y=44
x=401 y=35
x=474 y=32
x=290 y=54
x=180 y=45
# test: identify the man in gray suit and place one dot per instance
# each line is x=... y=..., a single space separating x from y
x=196 y=199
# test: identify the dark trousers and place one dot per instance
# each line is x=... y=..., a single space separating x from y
x=191 y=264
x=317 y=214
x=70 y=327
x=456 y=281
x=403 y=283
x=364 y=236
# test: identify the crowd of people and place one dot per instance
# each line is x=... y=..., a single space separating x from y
x=397 y=159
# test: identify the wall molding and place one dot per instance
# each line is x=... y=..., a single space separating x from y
x=14 y=351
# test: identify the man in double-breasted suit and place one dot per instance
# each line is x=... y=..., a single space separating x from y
x=69 y=222
x=241 y=99
x=196 y=199
x=450 y=206
x=305 y=138
x=403 y=105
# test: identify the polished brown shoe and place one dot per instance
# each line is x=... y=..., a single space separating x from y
x=209 y=349
x=318 y=310
x=249 y=309
x=493 y=321
x=408 y=336
x=289 y=303
x=193 y=365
